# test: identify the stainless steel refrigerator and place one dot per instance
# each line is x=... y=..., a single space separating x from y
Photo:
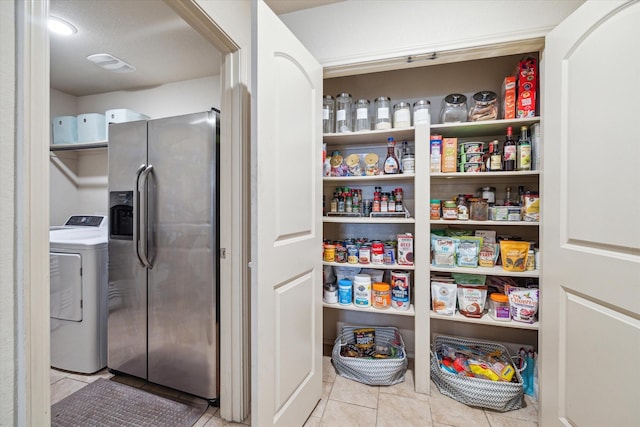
x=163 y=321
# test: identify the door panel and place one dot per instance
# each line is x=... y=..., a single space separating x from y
x=183 y=333
x=591 y=252
x=286 y=227
x=127 y=291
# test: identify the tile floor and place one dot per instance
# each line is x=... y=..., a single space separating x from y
x=345 y=403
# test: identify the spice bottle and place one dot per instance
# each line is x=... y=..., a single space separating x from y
x=391 y=163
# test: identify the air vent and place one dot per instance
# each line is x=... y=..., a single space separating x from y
x=111 y=63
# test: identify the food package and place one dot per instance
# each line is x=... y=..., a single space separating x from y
x=405 y=249
x=524 y=304
x=443 y=298
x=527 y=75
x=444 y=251
x=509 y=97
x=449 y=154
x=471 y=300
x=531 y=208
x=436 y=153
x=514 y=255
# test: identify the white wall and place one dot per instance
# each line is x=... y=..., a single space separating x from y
x=360 y=30
x=91 y=166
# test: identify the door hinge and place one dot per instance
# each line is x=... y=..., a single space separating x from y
x=223 y=253
x=80 y=271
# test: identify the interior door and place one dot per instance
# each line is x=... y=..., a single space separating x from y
x=286 y=284
x=590 y=307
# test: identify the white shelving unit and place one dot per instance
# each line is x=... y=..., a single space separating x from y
x=391 y=311
x=79 y=146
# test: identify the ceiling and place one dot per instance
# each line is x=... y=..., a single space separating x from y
x=147 y=34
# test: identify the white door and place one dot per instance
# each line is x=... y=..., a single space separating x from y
x=286 y=291
x=590 y=309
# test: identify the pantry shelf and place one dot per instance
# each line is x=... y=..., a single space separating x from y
x=376 y=266
x=392 y=311
x=366 y=137
x=371 y=178
x=367 y=220
x=79 y=146
x=482 y=175
x=480 y=129
x=485 y=320
x=493 y=271
x=492 y=223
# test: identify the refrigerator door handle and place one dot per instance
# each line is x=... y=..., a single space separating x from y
x=136 y=211
x=144 y=227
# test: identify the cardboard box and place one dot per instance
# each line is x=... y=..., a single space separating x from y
x=436 y=153
x=405 y=249
x=527 y=75
x=509 y=97
x=449 y=154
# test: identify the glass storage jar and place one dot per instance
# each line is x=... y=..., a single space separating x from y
x=454 y=108
x=421 y=112
x=485 y=106
x=328 y=112
x=382 y=110
x=343 y=113
x=362 y=115
x=479 y=209
x=401 y=115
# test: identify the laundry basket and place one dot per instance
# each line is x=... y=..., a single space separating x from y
x=497 y=395
x=368 y=370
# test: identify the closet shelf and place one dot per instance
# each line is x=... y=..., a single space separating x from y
x=368 y=178
x=485 y=320
x=494 y=271
x=375 y=266
x=392 y=311
x=79 y=146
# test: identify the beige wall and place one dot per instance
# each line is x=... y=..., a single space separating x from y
x=8 y=393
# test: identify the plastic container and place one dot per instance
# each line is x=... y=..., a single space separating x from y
x=328 y=114
x=91 y=127
x=382 y=113
x=121 y=115
x=345 y=292
x=499 y=308
x=381 y=295
x=330 y=293
x=362 y=290
x=329 y=253
x=65 y=129
x=362 y=115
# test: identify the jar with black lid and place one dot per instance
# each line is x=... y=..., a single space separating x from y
x=485 y=106
x=454 y=108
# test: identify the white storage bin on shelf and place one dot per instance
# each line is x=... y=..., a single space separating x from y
x=91 y=127
x=65 y=129
x=121 y=115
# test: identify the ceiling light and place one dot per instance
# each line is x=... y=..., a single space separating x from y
x=60 y=26
x=111 y=63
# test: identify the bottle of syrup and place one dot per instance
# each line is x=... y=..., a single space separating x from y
x=509 y=152
x=391 y=163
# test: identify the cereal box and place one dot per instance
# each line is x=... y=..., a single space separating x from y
x=449 y=154
x=509 y=97
x=405 y=249
x=436 y=153
x=527 y=75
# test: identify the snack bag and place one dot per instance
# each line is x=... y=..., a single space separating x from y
x=443 y=298
x=514 y=255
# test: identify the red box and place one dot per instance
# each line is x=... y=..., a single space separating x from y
x=509 y=97
x=527 y=75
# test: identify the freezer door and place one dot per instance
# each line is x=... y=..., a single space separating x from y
x=183 y=325
x=127 y=292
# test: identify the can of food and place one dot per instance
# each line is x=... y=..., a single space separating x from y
x=329 y=253
x=364 y=254
x=389 y=257
x=341 y=254
x=400 y=290
x=352 y=254
x=377 y=252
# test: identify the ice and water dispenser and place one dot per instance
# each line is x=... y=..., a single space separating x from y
x=121 y=215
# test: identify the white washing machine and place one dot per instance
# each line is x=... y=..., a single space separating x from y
x=79 y=278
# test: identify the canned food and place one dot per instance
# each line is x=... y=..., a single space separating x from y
x=377 y=252
x=389 y=256
x=341 y=254
x=400 y=290
x=329 y=253
x=364 y=254
x=352 y=254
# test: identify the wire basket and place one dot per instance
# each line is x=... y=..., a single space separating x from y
x=371 y=371
x=497 y=395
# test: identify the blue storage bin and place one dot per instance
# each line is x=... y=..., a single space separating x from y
x=65 y=130
x=122 y=115
x=91 y=127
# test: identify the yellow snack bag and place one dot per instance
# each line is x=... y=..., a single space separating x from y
x=514 y=255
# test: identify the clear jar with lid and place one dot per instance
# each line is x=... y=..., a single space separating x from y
x=449 y=210
x=499 y=307
x=328 y=113
x=463 y=210
x=454 y=108
x=489 y=193
x=485 y=106
x=362 y=115
x=382 y=113
x=401 y=115
x=478 y=209
x=343 y=113
x=421 y=112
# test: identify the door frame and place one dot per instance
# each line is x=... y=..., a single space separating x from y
x=32 y=399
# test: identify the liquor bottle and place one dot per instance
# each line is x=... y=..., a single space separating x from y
x=496 y=157
x=391 y=163
x=509 y=152
x=524 y=150
x=507 y=197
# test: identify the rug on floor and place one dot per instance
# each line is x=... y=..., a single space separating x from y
x=107 y=403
